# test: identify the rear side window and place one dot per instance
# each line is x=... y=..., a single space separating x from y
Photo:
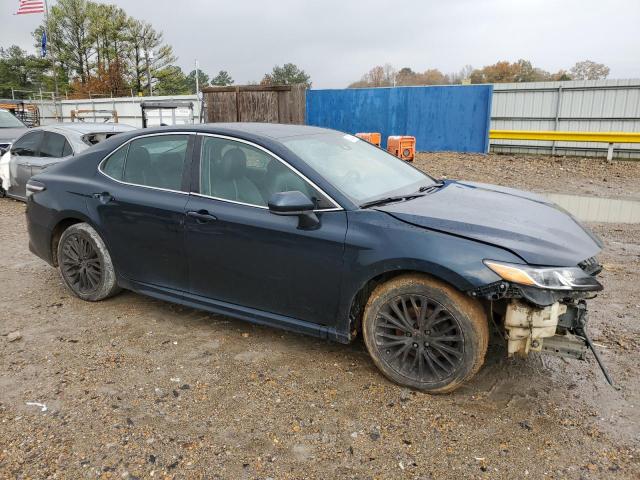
x=28 y=145
x=114 y=166
x=67 y=150
x=52 y=145
x=156 y=161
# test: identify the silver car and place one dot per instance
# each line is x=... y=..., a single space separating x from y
x=41 y=147
x=10 y=129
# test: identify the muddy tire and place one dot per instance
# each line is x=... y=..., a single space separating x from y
x=424 y=334
x=85 y=264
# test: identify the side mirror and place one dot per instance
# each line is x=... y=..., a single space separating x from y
x=295 y=204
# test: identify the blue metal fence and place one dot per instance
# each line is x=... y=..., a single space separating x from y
x=447 y=118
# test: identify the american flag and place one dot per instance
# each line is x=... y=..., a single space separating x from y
x=30 y=6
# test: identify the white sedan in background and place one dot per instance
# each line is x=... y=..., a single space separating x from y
x=41 y=147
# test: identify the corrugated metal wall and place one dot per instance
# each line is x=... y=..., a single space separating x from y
x=446 y=118
x=590 y=105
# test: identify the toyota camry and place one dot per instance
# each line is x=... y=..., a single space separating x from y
x=319 y=232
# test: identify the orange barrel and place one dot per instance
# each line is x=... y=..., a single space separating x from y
x=402 y=146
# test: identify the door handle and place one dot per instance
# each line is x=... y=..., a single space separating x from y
x=202 y=216
x=104 y=197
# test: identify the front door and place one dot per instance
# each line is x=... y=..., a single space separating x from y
x=241 y=253
x=24 y=153
x=140 y=206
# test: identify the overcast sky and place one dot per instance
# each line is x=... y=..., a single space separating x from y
x=336 y=41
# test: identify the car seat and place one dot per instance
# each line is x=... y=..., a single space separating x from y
x=138 y=168
x=229 y=179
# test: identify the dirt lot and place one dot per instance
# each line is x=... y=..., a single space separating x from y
x=135 y=387
x=586 y=176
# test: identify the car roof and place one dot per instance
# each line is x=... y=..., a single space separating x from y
x=275 y=131
x=272 y=130
x=86 y=128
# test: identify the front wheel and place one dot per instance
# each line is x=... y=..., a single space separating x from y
x=424 y=334
x=85 y=264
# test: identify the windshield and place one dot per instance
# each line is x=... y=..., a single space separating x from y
x=9 y=121
x=356 y=168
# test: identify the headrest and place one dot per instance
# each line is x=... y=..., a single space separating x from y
x=233 y=164
x=140 y=154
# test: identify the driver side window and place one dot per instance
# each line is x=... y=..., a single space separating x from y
x=238 y=172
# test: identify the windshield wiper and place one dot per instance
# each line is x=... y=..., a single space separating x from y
x=383 y=201
x=428 y=188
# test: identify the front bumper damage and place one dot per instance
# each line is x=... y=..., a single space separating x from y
x=545 y=321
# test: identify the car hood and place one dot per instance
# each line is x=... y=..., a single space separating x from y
x=8 y=135
x=530 y=226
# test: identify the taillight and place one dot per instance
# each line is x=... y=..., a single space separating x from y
x=34 y=186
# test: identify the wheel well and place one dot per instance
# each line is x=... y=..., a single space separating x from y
x=58 y=230
x=360 y=299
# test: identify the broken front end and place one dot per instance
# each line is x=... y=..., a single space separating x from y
x=543 y=309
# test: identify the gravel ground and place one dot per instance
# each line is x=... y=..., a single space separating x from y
x=584 y=176
x=135 y=387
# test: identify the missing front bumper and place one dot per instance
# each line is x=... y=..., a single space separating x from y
x=527 y=326
x=559 y=329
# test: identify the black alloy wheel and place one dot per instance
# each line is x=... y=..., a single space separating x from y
x=419 y=338
x=425 y=334
x=80 y=264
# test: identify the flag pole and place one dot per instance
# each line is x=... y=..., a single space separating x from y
x=53 y=58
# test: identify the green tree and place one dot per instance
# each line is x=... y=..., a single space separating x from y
x=223 y=79
x=288 y=74
x=149 y=55
x=171 y=80
x=203 y=80
x=21 y=71
x=99 y=46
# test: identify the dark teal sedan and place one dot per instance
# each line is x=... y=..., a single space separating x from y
x=319 y=232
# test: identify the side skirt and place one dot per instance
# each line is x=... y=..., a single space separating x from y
x=243 y=313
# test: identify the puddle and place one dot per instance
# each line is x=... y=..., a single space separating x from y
x=594 y=209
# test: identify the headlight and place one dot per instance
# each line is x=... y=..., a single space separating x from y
x=552 y=278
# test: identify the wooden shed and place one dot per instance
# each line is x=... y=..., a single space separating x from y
x=256 y=103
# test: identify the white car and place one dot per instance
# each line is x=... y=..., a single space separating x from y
x=41 y=147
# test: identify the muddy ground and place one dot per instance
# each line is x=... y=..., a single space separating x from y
x=135 y=387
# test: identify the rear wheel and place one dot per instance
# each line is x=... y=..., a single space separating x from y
x=424 y=334
x=85 y=264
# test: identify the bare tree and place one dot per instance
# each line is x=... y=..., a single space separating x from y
x=589 y=70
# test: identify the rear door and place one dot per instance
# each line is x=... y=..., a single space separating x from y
x=24 y=153
x=241 y=253
x=140 y=208
x=53 y=148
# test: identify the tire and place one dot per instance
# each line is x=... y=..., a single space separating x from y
x=424 y=334
x=85 y=264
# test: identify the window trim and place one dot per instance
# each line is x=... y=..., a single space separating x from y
x=336 y=208
x=186 y=163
